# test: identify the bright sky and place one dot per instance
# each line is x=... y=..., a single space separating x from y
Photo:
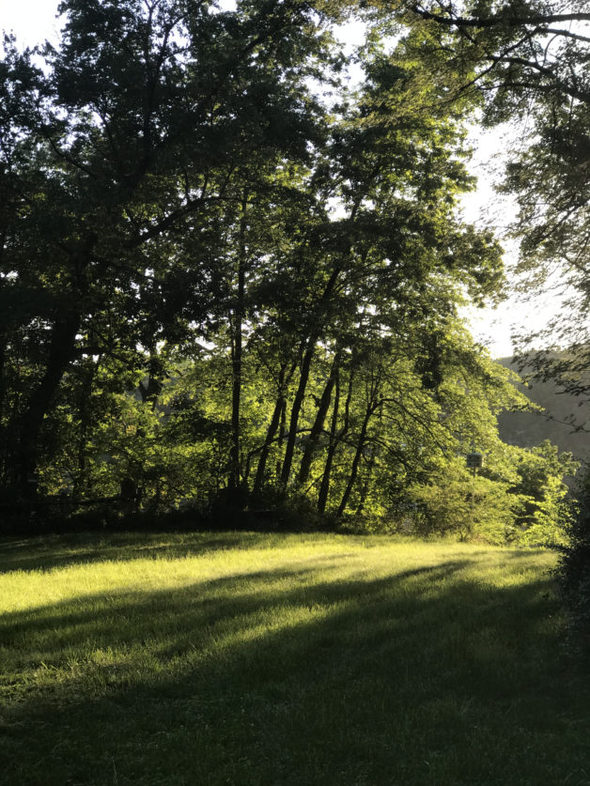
x=34 y=21
x=31 y=20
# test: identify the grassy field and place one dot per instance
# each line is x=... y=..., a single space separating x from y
x=263 y=660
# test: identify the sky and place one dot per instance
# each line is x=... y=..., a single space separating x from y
x=34 y=21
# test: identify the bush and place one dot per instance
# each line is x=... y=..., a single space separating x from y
x=454 y=501
x=573 y=570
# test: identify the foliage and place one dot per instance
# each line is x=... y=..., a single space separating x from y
x=545 y=506
x=115 y=158
x=574 y=567
x=529 y=59
x=223 y=290
x=456 y=501
x=525 y=62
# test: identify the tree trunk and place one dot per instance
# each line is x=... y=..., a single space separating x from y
x=282 y=434
x=3 y=345
x=152 y=388
x=81 y=480
x=61 y=351
x=237 y=356
x=296 y=410
x=336 y=438
x=4 y=441
x=304 y=378
x=271 y=431
x=318 y=425
x=270 y=434
x=370 y=468
x=356 y=461
x=366 y=486
x=332 y=445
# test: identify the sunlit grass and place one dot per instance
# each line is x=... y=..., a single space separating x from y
x=253 y=659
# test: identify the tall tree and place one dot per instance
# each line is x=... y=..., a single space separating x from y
x=529 y=59
x=134 y=128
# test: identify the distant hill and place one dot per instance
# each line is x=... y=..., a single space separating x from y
x=527 y=429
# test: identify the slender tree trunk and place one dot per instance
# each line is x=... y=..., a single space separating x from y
x=366 y=486
x=307 y=359
x=80 y=485
x=356 y=461
x=318 y=425
x=296 y=410
x=271 y=431
x=150 y=391
x=131 y=490
x=304 y=379
x=237 y=355
x=3 y=343
x=62 y=348
x=370 y=468
x=270 y=434
x=332 y=445
x=3 y=435
x=282 y=434
x=336 y=438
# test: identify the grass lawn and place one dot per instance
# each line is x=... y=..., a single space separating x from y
x=263 y=660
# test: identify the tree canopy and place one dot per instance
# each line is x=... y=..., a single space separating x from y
x=221 y=287
x=526 y=62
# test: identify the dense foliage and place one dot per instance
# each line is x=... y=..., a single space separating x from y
x=526 y=63
x=529 y=59
x=229 y=281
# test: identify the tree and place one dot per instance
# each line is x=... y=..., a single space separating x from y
x=531 y=56
x=130 y=134
x=395 y=170
x=546 y=511
x=529 y=59
x=221 y=289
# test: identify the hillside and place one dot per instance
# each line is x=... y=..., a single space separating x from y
x=527 y=429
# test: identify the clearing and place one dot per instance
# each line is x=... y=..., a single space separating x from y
x=295 y=660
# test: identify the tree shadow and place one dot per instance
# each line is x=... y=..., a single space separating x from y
x=281 y=677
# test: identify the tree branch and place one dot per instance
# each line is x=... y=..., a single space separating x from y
x=499 y=19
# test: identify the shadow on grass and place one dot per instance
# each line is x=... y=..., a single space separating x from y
x=291 y=677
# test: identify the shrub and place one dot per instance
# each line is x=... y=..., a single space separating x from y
x=573 y=570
